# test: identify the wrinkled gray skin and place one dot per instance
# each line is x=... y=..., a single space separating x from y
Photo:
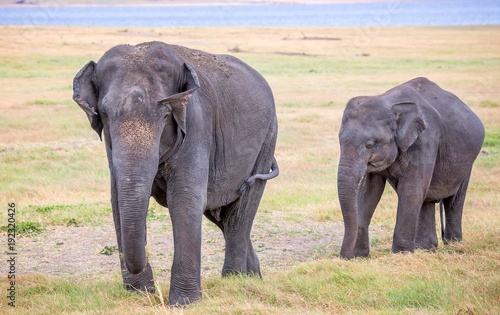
x=421 y=139
x=197 y=132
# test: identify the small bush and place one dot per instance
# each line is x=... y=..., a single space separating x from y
x=109 y=250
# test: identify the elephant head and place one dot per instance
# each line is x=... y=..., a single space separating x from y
x=375 y=131
x=137 y=97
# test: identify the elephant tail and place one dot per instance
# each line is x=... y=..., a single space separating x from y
x=249 y=182
x=441 y=217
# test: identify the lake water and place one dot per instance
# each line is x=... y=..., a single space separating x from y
x=431 y=13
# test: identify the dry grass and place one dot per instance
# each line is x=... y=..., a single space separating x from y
x=54 y=167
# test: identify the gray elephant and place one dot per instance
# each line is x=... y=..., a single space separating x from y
x=194 y=130
x=423 y=140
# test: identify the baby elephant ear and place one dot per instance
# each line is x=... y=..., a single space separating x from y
x=85 y=95
x=410 y=123
x=177 y=103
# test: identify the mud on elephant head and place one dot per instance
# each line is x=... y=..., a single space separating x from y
x=194 y=130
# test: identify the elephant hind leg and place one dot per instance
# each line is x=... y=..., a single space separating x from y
x=426 y=236
x=234 y=234
x=237 y=218
x=253 y=263
x=237 y=223
x=453 y=208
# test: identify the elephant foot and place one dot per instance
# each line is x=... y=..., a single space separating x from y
x=254 y=273
x=451 y=239
x=180 y=299
x=362 y=247
x=252 y=269
x=429 y=245
x=347 y=254
x=141 y=282
x=251 y=273
x=253 y=263
x=362 y=252
x=426 y=247
x=248 y=265
x=228 y=272
x=403 y=248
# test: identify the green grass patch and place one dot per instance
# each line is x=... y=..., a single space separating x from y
x=37 y=66
x=26 y=228
x=83 y=214
x=51 y=102
x=61 y=169
x=392 y=284
x=489 y=103
x=361 y=286
x=73 y=222
x=153 y=213
x=418 y=294
x=109 y=250
x=29 y=228
x=492 y=138
x=39 y=294
x=44 y=102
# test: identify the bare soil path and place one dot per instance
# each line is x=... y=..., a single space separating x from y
x=279 y=242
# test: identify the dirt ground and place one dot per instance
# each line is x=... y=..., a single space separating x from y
x=279 y=243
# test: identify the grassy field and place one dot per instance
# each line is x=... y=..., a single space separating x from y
x=54 y=168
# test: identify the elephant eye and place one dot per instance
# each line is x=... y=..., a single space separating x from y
x=370 y=144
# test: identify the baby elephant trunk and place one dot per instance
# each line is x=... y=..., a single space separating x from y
x=349 y=179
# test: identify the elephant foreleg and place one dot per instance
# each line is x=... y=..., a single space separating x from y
x=368 y=199
x=426 y=237
x=411 y=198
x=412 y=190
x=186 y=216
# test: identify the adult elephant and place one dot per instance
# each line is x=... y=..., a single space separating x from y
x=194 y=130
x=423 y=140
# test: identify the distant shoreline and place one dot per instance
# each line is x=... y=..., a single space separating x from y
x=410 y=13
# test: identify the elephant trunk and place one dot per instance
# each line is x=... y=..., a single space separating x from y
x=134 y=181
x=349 y=177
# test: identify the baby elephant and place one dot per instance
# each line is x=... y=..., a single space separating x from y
x=423 y=140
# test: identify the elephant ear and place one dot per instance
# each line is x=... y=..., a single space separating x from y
x=177 y=103
x=85 y=94
x=410 y=123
